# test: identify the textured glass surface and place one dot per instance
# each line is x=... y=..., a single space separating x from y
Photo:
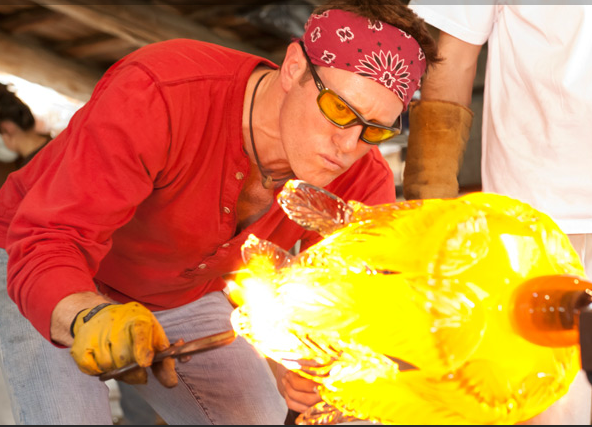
x=403 y=312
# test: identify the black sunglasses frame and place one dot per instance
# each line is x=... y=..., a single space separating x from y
x=361 y=120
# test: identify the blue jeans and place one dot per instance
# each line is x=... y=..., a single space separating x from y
x=227 y=385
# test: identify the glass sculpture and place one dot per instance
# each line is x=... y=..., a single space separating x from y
x=407 y=313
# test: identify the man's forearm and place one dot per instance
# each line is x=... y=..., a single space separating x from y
x=66 y=310
x=452 y=79
x=439 y=124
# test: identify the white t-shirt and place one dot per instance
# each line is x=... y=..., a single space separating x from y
x=537 y=115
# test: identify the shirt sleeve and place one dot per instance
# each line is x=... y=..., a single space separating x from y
x=103 y=166
x=472 y=23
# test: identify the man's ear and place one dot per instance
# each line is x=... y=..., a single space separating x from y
x=8 y=128
x=293 y=67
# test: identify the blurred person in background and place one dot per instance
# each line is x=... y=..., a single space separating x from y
x=17 y=127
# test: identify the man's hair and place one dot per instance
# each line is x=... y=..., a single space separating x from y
x=14 y=110
x=392 y=12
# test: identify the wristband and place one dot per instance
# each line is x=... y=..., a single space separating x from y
x=88 y=316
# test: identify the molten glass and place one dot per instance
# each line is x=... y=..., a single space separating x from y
x=415 y=312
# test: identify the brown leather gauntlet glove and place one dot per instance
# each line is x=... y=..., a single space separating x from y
x=438 y=135
x=109 y=337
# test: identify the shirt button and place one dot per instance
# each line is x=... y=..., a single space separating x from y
x=225 y=245
x=226 y=210
x=202 y=266
x=239 y=175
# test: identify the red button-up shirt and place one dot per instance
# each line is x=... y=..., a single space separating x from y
x=138 y=196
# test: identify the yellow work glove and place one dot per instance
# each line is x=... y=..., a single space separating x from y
x=111 y=336
x=438 y=135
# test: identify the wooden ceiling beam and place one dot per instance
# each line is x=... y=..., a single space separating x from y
x=96 y=44
x=38 y=65
x=29 y=20
x=142 y=24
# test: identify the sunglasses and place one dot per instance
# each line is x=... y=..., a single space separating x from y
x=338 y=111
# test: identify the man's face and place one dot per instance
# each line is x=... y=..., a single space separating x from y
x=317 y=150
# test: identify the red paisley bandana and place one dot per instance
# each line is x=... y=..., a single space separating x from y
x=373 y=49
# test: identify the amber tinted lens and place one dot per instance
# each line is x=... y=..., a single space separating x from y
x=335 y=109
x=373 y=134
x=339 y=113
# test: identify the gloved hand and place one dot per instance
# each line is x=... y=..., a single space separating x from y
x=438 y=135
x=111 y=336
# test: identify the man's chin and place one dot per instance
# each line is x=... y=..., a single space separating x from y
x=319 y=179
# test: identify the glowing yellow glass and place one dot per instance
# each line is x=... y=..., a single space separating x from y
x=405 y=313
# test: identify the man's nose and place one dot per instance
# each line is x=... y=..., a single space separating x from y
x=348 y=139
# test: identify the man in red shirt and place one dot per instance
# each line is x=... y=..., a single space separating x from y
x=119 y=233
